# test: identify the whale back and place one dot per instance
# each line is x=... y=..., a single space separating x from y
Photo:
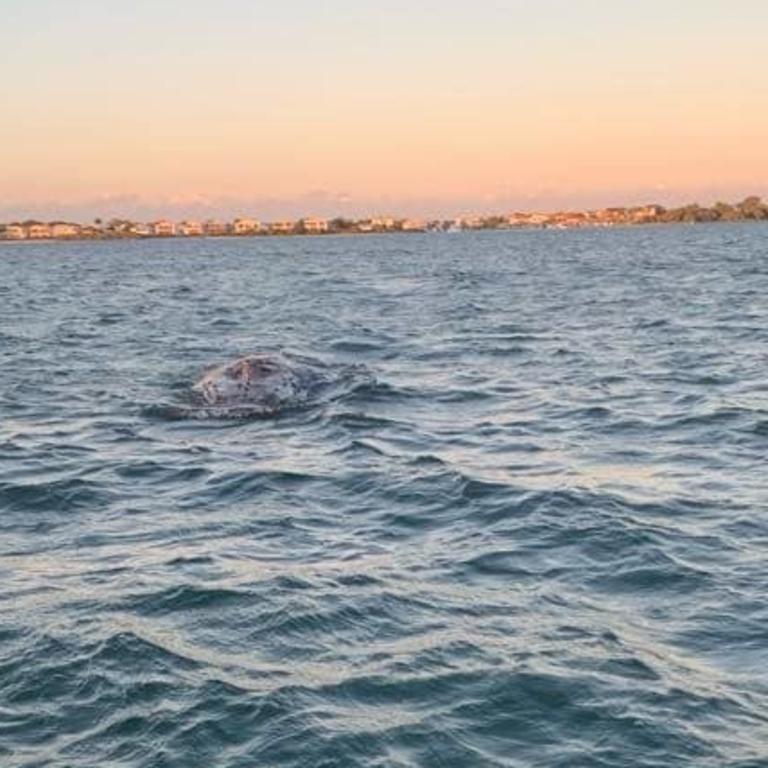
x=262 y=386
x=262 y=381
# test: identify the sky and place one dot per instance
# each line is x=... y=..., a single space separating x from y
x=346 y=107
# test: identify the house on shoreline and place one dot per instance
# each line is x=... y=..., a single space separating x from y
x=246 y=227
x=65 y=230
x=282 y=228
x=163 y=228
x=38 y=231
x=15 y=232
x=314 y=226
x=189 y=229
x=215 y=228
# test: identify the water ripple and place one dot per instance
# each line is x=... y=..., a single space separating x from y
x=524 y=524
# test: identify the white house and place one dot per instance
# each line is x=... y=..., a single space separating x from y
x=314 y=226
x=163 y=228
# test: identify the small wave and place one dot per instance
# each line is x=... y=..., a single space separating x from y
x=717 y=417
x=184 y=598
x=63 y=495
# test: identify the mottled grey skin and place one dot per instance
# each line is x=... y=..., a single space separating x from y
x=256 y=384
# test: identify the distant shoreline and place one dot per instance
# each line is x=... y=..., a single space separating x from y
x=750 y=209
x=294 y=235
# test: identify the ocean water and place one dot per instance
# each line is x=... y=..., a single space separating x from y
x=526 y=526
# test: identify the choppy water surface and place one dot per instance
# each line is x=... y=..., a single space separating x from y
x=530 y=529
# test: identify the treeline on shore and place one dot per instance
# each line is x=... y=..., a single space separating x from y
x=750 y=209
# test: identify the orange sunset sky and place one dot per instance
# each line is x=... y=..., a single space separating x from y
x=338 y=107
